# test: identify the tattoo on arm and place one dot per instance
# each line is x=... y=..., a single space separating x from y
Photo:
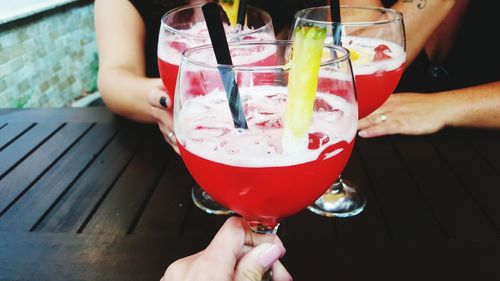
x=420 y=3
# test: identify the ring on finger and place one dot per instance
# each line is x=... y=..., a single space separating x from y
x=377 y=119
x=171 y=137
x=382 y=117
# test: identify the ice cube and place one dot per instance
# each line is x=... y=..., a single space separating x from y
x=321 y=105
x=275 y=123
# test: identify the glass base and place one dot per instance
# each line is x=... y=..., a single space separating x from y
x=341 y=200
x=262 y=228
x=206 y=203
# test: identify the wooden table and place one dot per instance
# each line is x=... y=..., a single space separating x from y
x=86 y=195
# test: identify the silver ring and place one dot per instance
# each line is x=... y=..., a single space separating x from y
x=377 y=119
x=382 y=117
x=171 y=137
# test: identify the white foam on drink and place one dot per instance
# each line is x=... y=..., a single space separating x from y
x=200 y=37
x=366 y=47
x=247 y=55
x=205 y=127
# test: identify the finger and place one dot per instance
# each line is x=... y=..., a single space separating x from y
x=164 y=120
x=251 y=267
x=255 y=239
x=387 y=128
x=230 y=239
x=364 y=123
x=280 y=273
x=159 y=98
x=377 y=117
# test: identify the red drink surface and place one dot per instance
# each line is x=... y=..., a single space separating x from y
x=267 y=194
x=374 y=89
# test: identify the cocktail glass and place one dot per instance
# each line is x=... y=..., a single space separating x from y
x=184 y=28
x=251 y=171
x=375 y=38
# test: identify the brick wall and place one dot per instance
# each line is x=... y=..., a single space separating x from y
x=48 y=60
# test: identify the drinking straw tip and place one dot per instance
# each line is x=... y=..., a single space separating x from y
x=242 y=11
x=336 y=20
x=211 y=12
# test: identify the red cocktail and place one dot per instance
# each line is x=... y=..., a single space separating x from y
x=376 y=39
x=256 y=172
x=378 y=65
x=185 y=28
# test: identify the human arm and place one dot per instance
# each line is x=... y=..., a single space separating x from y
x=421 y=18
x=122 y=81
x=235 y=253
x=417 y=114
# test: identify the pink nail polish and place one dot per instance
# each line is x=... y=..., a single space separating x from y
x=270 y=256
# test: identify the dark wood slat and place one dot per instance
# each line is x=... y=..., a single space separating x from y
x=50 y=256
x=24 y=145
x=68 y=114
x=370 y=223
x=71 y=212
x=170 y=203
x=485 y=142
x=37 y=200
x=200 y=223
x=71 y=257
x=474 y=173
x=122 y=205
x=34 y=165
x=404 y=208
x=392 y=260
x=448 y=199
x=307 y=225
x=11 y=131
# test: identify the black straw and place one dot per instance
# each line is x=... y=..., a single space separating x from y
x=212 y=12
x=336 y=22
x=242 y=12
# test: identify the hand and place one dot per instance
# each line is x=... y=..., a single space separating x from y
x=161 y=110
x=407 y=114
x=235 y=253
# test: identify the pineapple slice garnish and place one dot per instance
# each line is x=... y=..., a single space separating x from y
x=231 y=9
x=307 y=51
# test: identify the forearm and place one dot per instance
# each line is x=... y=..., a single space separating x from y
x=125 y=93
x=477 y=106
x=421 y=18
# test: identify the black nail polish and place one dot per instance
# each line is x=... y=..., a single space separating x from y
x=163 y=101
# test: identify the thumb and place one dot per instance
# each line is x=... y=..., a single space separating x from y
x=253 y=265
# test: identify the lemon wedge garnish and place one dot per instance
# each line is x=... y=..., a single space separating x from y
x=359 y=57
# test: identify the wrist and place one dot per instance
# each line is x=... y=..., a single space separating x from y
x=451 y=111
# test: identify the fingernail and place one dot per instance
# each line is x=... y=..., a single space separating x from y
x=163 y=101
x=362 y=134
x=270 y=256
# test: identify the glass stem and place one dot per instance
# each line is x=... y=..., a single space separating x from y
x=260 y=228
x=268 y=232
x=338 y=186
